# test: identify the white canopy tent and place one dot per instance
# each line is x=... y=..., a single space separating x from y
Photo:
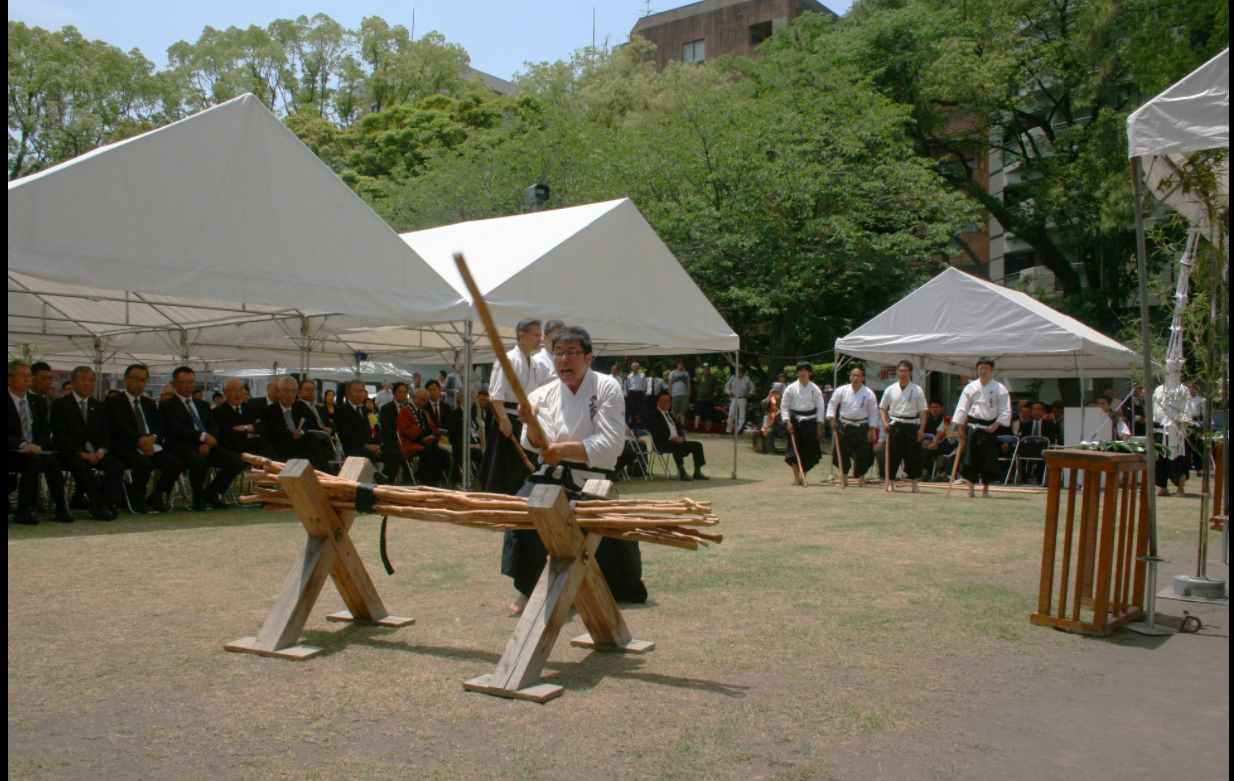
x=955 y=318
x=1191 y=116
x=161 y=243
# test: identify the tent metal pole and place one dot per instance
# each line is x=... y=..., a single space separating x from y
x=1148 y=626
x=98 y=368
x=465 y=437
x=732 y=412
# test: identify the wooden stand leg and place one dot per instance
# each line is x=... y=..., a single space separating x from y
x=571 y=577
x=328 y=550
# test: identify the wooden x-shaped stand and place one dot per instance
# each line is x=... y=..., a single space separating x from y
x=571 y=578
x=328 y=550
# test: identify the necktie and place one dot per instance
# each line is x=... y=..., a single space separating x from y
x=85 y=414
x=193 y=413
x=291 y=425
x=142 y=428
x=27 y=424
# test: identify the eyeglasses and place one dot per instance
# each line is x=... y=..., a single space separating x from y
x=567 y=354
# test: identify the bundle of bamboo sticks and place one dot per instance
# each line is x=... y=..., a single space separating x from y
x=673 y=522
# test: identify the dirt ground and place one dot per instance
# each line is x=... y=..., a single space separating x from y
x=833 y=635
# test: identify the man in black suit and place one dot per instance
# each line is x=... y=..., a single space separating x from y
x=292 y=429
x=256 y=408
x=79 y=431
x=193 y=437
x=1035 y=436
x=236 y=426
x=351 y=424
x=137 y=441
x=669 y=437
x=393 y=463
x=29 y=440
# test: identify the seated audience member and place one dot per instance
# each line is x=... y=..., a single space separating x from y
x=216 y=399
x=325 y=410
x=292 y=428
x=670 y=437
x=256 y=410
x=167 y=392
x=392 y=458
x=352 y=425
x=137 y=441
x=65 y=387
x=370 y=414
x=434 y=459
x=935 y=444
x=192 y=436
x=1036 y=435
x=412 y=430
x=29 y=439
x=1113 y=426
x=1024 y=417
x=79 y=431
x=199 y=394
x=308 y=396
x=1057 y=415
x=475 y=444
x=236 y=426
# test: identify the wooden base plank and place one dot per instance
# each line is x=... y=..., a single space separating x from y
x=248 y=645
x=632 y=647
x=540 y=692
x=345 y=616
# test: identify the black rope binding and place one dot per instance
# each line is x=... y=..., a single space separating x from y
x=366 y=500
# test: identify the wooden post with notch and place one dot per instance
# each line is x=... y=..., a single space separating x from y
x=571 y=578
x=328 y=550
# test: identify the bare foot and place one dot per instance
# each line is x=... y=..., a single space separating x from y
x=516 y=607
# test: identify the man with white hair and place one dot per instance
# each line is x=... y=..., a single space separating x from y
x=293 y=429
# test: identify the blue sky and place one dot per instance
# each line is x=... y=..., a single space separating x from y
x=500 y=35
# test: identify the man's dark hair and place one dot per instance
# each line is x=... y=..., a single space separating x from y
x=442 y=373
x=574 y=333
x=39 y=366
x=78 y=371
x=181 y=370
x=525 y=325
x=66 y=385
x=216 y=395
x=906 y=363
x=347 y=385
x=398 y=385
x=663 y=393
x=132 y=367
x=431 y=384
x=805 y=365
x=553 y=325
x=985 y=360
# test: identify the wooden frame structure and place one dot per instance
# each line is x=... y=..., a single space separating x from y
x=1110 y=546
x=328 y=550
x=571 y=579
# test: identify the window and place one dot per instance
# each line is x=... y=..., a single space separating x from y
x=693 y=51
x=759 y=32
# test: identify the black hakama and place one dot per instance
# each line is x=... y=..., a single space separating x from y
x=805 y=431
x=980 y=453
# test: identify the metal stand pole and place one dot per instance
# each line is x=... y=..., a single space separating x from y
x=465 y=437
x=733 y=411
x=1149 y=625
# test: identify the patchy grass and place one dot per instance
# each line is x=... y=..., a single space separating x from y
x=827 y=617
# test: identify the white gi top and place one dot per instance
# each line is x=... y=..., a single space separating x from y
x=907 y=403
x=854 y=406
x=532 y=373
x=806 y=400
x=1170 y=410
x=738 y=387
x=545 y=357
x=985 y=402
x=595 y=416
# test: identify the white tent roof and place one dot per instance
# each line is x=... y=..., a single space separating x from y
x=1191 y=115
x=600 y=266
x=953 y=319
x=228 y=204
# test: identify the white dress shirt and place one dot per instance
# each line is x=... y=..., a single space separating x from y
x=531 y=372
x=636 y=382
x=854 y=406
x=984 y=402
x=905 y=404
x=595 y=416
x=806 y=400
x=673 y=433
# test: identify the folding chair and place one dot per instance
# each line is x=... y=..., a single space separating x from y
x=1021 y=459
x=636 y=438
x=658 y=459
x=1011 y=461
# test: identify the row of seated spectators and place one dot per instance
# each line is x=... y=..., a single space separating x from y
x=129 y=450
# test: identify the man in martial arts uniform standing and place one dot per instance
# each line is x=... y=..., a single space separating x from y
x=504 y=471
x=582 y=414
x=984 y=406
x=854 y=410
x=801 y=404
x=903 y=410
